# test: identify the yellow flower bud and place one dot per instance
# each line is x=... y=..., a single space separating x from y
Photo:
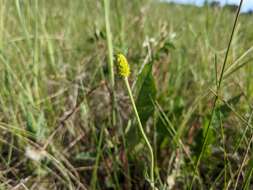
x=123 y=66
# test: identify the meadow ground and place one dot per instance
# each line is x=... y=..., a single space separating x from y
x=67 y=121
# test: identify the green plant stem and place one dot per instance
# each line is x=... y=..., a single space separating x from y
x=99 y=153
x=142 y=132
x=217 y=91
x=110 y=56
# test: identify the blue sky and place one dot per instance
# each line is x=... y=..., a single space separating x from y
x=247 y=4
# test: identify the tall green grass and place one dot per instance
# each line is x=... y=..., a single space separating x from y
x=58 y=90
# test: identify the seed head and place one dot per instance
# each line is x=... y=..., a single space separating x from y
x=123 y=66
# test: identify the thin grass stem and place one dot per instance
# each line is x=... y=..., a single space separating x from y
x=142 y=132
x=110 y=56
x=218 y=89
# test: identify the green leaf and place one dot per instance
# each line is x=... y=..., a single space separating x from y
x=146 y=93
x=36 y=125
x=200 y=137
x=30 y=123
x=167 y=47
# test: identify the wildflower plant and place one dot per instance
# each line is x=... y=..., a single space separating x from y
x=123 y=66
x=124 y=72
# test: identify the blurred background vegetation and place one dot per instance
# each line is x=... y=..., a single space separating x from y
x=55 y=96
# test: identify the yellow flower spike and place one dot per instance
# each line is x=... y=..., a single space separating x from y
x=124 y=69
x=124 y=72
